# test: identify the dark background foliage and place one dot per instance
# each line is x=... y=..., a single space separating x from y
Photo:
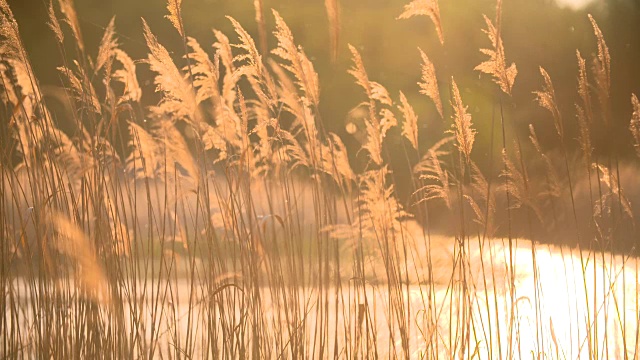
x=535 y=33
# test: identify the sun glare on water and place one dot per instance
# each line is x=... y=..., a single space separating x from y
x=575 y=4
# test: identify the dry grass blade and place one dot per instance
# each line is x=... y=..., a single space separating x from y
x=584 y=135
x=465 y=134
x=602 y=69
x=611 y=181
x=430 y=168
x=429 y=83
x=358 y=71
x=552 y=184
x=380 y=207
x=497 y=65
x=204 y=73
x=11 y=47
x=81 y=87
x=429 y=8
x=583 y=87
x=547 y=99
x=73 y=242
x=376 y=125
x=108 y=45
x=175 y=15
x=54 y=24
x=516 y=185
x=298 y=63
x=484 y=218
x=145 y=158
x=249 y=46
x=127 y=76
x=178 y=97
x=71 y=18
x=410 y=126
x=634 y=125
x=335 y=161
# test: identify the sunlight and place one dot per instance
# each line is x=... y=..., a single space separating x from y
x=319 y=180
x=575 y=4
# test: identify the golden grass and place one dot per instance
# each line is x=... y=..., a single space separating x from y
x=225 y=221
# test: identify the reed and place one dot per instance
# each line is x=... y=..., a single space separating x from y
x=226 y=221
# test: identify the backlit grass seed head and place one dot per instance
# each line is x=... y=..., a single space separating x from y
x=431 y=169
x=496 y=66
x=296 y=61
x=205 y=74
x=71 y=18
x=73 y=242
x=602 y=70
x=108 y=45
x=80 y=86
x=611 y=181
x=584 y=134
x=251 y=56
x=127 y=77
x=54 y=24
x=410 y=125
x=429 y=83
x=634 y=126
x=583 y=87
x=547 y=99
x=175 y=16
x=465 y=134
x=553 y=187
x=516 y=184
x=178 y=97
x=429 y=8
x=377 y=124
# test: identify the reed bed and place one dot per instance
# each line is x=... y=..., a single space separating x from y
x=224 y=221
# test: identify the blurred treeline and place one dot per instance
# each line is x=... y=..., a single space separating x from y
x=535 y=33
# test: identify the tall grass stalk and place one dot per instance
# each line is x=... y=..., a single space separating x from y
x=226 y=221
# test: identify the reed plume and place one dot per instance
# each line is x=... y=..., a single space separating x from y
x=516 y=185
x=178 y=98
x=484 y=218
x=634 y=125
x=429 y=83
x=602 y=71
x=72 y=241
x=429 y=8
x=547 y=99
x=616 y=193
x=54 y=24
x=583 y=88
x=296 y=62
x=496 y=66
x=80 y=86
x=554 y=189
x=584 y=111
x=410 y=126
x=584 y=135
x=430 y=168
x=107 y=48
x=145 y=159
x=175 y=15
x=464 y=133
x=71 y=18
x=376 y=125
